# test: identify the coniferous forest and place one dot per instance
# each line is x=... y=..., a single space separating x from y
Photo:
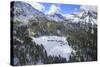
x=48 y=36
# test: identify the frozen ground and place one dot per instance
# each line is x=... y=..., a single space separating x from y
x=55 y=46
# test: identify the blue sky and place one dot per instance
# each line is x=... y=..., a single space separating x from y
x=55 y=7
x=64 y=8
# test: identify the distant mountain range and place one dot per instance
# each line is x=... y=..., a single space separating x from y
x=24 y=12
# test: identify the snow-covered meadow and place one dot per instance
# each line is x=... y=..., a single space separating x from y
x=55 y=46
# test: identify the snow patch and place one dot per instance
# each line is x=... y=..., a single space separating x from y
x=55 y=46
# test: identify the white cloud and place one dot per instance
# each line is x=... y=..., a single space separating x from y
x=76 y=9
x=87 y=8
x=53 y=9
x=36 y=5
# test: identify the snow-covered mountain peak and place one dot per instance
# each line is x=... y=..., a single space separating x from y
x=89 y=8
x=24 y=11
x=87 y=14
x=56 y=17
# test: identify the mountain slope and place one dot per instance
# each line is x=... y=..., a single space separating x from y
x=83 y=17
x=22 y=11
x=56 y=17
